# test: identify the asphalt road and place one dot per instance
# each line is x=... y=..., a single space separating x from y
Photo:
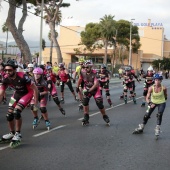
x=70 y=146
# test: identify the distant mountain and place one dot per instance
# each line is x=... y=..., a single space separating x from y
x=33 y=45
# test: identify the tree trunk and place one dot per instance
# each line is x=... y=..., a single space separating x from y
x=105 y=55
x=55 y=42
x=51 y=51
x=17 y=33
x=6 y=41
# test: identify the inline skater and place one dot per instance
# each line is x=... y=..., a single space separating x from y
x=51 y=79
x=2 y=76
x=63 y=78
x=43 y=96
x=91 y=88
x=30 y=71
x=104 y=76
x=77 y=73
x=52 y=76
x=128 y=83
x=156 y=97
x=149 y=81
x=24 y=91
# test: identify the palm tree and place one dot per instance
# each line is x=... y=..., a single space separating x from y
x=5 y=29
x=57 y=21
x=107 y=30
x=53 y=17
x=51 y=45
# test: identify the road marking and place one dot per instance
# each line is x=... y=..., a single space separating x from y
x=43 y=133
x=2 y=148
x=111 y=108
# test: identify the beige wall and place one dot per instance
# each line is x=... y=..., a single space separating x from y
x=166 y=49
x=151 y=39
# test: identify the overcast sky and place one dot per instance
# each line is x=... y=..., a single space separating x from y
x=84 y=11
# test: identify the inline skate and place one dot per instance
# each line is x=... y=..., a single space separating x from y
x=48 y=124
x=157 y=131
x=134 y=100
x=125 y=99
x=35 y=122
x=85 y=121
x=106 y=119
x=80 y=106
x=110 y=102
x=62 y=100
x=139 y=130
x=16 y=140
x=7 y=138
x=143 y=104
x=63 y=111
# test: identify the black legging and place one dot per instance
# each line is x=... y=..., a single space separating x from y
x=69 y=84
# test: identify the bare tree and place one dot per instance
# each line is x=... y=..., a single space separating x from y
x=17 y=32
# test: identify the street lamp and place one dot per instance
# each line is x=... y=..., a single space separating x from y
x=41 y=30
x=130 y=48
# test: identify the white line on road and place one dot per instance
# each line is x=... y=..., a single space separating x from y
x=43 y=133
x=2 y=148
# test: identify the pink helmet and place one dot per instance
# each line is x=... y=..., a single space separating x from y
x=38 y=70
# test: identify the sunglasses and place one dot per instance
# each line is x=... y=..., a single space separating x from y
x=8 y=70
x=86 y=67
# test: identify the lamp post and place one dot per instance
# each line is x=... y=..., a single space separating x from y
x=41 y=30
x=130 y=48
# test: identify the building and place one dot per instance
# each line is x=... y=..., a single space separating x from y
x=153 y=46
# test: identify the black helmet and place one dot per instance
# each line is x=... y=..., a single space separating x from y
x=42 y=66
x=103 y=66
x=127 y=69
x=11 y=63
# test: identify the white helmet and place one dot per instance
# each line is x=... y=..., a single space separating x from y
x=150 y=68
x=31 y=65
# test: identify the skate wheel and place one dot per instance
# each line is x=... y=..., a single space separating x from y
x=85 y=124
x=34 y=126
x=14 y=145
x=108 y=124
x=156 y=137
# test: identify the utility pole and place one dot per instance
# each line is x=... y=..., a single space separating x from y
x=130 y=48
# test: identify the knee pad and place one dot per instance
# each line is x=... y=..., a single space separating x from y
x=56 y=100
x=145 y=93
x=85 y=101
x=107 y=93
x=125 y=90
x=131 y=92
x=10 y=117
x=43 y=109
x=17 y=114
x=146 y=117
x=99 y=102
x=159 y=115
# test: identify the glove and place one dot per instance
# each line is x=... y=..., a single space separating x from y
x=150 y=103
x=74 y=81
x=40 y=96
x=77 y=89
